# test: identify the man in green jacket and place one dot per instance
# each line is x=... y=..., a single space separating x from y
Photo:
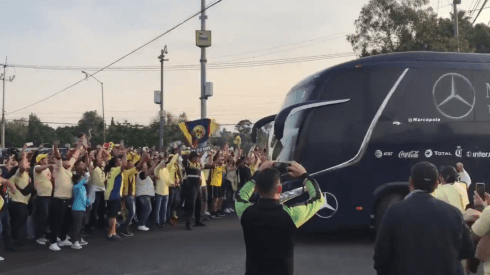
x=268 y=226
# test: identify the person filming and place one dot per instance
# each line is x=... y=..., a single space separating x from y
x=268 y=226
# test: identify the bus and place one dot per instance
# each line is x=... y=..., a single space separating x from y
x=360 y=126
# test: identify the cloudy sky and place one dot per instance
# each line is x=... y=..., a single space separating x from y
x=94 y=33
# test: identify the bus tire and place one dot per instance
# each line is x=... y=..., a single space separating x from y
x=383 y=205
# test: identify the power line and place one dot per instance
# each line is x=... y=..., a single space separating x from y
x=151 y=41
x=171 y=67
x=211 y=66
x=484 y=3
x=286 y=45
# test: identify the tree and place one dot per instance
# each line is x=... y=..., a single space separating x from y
x=386 y=26
x=16 y=133
x=39 y=133
x=91 y=120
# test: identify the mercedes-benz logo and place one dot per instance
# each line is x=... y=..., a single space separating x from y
x=329 y=208
x=454 y=96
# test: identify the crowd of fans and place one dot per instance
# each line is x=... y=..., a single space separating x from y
x=58 y=199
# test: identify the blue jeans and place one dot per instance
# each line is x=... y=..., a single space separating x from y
x=144 y=209
x=160 y=211
x=131 y=207
x=172 y=201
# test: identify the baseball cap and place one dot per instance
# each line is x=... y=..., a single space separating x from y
x=41 y=157
x=424 y=173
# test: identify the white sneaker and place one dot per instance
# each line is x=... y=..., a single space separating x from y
x=83 y=242
x=65 y=243
x=58 y=239
x=68 y=237
x=143 y=228
x=1 y=259
x=41 y=241
x=76 y=245
x=227 y=211
x=231 y=210
x=54 y=247
x=207 y=213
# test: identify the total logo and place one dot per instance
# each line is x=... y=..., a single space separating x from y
x=379 y=154
x=429 y=153
x=409 y=155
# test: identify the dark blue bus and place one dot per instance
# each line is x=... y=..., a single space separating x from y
x=359 y=127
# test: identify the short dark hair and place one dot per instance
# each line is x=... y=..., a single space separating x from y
x=449 y=174
x=266 y=180
x=424 y=176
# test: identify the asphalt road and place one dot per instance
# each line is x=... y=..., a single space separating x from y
x=216 y=249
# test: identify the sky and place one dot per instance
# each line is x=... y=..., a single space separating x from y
x=93 y=33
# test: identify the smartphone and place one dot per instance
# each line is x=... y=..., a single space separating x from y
x=281 y=166
x=480 y=190
x=29 y=144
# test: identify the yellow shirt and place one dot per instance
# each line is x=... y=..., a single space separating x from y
x=21 y=181
x=129 y=178
x=452 y=194
x=217 y=176
x=203 y=179
x=482 y=226
x=98 y=178
x=164 y=176
x=63 y=184
x=42 y=183
x=174 y=174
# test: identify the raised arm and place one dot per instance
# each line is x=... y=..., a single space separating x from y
x=9 y=185
x=41 y=168
x=56 y=152
x=302 y=212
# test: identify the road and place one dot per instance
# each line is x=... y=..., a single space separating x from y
x=216 y=249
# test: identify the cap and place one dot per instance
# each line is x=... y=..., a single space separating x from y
x=424 y=172
x=41 y=157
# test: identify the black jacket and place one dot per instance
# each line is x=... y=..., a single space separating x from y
x=422 y=235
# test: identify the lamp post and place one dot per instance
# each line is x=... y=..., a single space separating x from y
x=102 y=86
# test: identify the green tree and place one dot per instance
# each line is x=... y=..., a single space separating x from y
x=39 y=133
x=386 y=26
x=16 y=133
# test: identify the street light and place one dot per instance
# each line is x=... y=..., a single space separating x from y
x=87 y=75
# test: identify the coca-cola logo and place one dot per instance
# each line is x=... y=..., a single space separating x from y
x=408 y=155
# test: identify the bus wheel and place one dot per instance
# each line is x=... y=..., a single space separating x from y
x=383 y=205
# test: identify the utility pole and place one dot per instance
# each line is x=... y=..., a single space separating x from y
x=162 y=115
x=102 y=86
x=203 y=62
x=10 y=79
x=456 y=30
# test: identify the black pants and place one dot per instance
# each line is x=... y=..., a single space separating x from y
x=97 y=215
x=78 y=218
x=60 y=219
x=193 y=199
x=228 y=190
x=6 y=229
x=41 y=215
x=18 y=219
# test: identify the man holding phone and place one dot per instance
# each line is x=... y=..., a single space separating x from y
x=268 y=226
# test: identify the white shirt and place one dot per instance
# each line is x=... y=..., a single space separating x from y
x=464 y=177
